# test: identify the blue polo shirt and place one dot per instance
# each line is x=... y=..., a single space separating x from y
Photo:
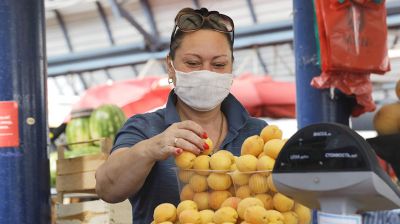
x=161 y=184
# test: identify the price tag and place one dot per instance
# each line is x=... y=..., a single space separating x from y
x=9 y=133
x=327 y=218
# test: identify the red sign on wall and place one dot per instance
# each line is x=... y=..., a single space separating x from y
x=9 y=133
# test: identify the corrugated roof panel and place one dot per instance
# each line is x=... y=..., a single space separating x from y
x=52 y=88
x=65 y=83
x=272 y=11
x=164 y=13
x=279 y=59
x=122 y=73
x=238 y=10
x=137 y=12
x=246 y=61
x=123 y=31
x=86 y=29
x=95 y=77
x=55 y=41
x=391 y=37
x=86 y=35
x=49 y=15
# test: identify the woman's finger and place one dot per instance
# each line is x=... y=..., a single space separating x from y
x=192 y=138
x=186 y=145
x=192 y=126
x=169 y=151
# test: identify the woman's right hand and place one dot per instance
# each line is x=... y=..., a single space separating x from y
x=185 y=135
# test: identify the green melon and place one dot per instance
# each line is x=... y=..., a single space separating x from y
x=53 y=168
x=78 y=129
x=105 y=121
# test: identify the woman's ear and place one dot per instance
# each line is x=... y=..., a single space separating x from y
x=170 y=70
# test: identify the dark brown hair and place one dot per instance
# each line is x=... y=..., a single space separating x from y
x=176 y=39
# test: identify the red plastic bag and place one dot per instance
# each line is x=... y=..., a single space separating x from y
x=358 y=85
x=352 y=36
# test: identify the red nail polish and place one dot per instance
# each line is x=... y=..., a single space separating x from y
x=178 y=151
x=204 y=135
x=205 y=146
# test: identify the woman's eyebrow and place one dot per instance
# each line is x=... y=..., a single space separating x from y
x=198 y=56
x=219 y=56
x=192 y=54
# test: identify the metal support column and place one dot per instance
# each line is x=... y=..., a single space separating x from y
x=24 y=165
x=313 y=105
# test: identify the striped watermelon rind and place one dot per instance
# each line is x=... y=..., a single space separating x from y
x=77 y=129
x=105 y=121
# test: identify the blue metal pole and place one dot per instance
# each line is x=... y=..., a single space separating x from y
x=313 y=105
x=24 y=166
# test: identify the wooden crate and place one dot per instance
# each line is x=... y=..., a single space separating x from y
x=77 y=175
x=76 y=183
x=94 y=212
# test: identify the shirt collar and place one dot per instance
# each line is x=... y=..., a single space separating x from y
x=234 y=111
x=171 y=114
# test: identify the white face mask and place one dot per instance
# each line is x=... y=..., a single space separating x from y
x=202 y=90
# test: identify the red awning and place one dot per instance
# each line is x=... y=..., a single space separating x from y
x=260 y=95
x=264 y=97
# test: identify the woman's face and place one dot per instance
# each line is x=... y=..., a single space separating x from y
x=202 y=50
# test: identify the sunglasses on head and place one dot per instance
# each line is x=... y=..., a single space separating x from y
x=192 y=21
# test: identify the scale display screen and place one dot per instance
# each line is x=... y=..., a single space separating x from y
x=321 y=151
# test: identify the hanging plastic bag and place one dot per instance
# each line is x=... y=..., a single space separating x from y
x=352 y=44
x=352 y=35
x=358 y=85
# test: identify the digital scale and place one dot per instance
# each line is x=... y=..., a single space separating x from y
x=331 y=168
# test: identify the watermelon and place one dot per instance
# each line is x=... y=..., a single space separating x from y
x=83 y=151
x=77 y=129
x=53 y=168
x=105 y=121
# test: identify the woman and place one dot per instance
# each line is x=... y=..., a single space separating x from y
x=200 y=106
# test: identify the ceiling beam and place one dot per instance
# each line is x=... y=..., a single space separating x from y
x=393 y=8
x=136 y=54
x=82 y=80
x=196 y=4
x=60 y=90
x=395 y=40
x=106 y=24
x=148 y=13
x=256 y=35
x=108 y=74
x=261 y=60
x=151 y=41
x=252 y=11
x=140 y=47
x=64 y=30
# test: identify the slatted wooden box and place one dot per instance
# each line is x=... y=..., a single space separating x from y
x=77 y=175
x=94 y=212
x=75 y=181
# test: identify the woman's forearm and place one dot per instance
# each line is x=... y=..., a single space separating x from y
x=125 y=171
